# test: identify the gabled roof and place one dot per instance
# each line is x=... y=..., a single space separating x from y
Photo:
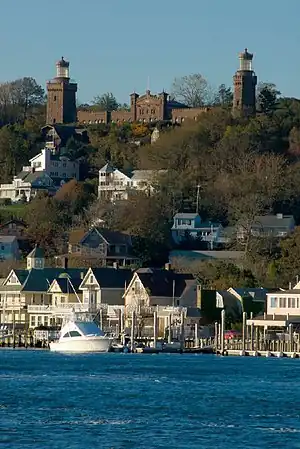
x=14 y=220
x=37 y=253
x=68 y=285
x=114 y=237
x=32 y=176
x=76 y=235
x=107 y=168
x=112 y=278
x=162 y=282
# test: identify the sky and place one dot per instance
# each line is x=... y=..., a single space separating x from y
x=118 y=45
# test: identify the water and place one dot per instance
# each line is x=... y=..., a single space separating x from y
x=128 y=401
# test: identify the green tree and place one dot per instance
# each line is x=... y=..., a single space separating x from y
x=267 y=96
x=106 y=102
x=224 y=96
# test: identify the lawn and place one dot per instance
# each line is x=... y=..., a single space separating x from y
x=12 y=211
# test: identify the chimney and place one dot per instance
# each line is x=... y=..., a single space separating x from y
x=115 y=265
x=290 y=286
x=168 y=266
x=81 y=275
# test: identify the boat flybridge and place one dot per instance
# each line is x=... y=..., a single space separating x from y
x=81 y=336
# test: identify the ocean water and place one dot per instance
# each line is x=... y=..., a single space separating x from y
x=128 y=401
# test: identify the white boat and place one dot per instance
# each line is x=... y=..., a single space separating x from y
x=81 y=336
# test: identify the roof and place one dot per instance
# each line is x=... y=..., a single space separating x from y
x=112 y=278
x=162 y=282
x=68 y=285
x=273 y=221
x=173 y=104
x=139 y=175
x=40 y=280
x=7 y=238
x=37 y=252
x=186 y=215
x=253 y=292
x=231 y=303
x=31 y=176
x=14 y=220
x=76 y=235
x=107 y=168
x=205 y=255
x=114 y=237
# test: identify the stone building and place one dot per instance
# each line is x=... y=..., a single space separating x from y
x=61 y=96
x=244 y=83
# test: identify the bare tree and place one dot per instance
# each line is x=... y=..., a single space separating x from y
x=192 y=90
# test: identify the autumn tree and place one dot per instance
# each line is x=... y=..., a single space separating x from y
x=192 y=90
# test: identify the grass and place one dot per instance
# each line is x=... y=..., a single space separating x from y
x=12 y=211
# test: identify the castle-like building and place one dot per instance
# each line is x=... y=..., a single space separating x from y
x=61 y=104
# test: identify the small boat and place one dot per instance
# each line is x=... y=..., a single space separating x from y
x=81 y=336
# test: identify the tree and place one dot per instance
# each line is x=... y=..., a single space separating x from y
x=224 y=96
x=14 y=151
x=106 y=102
x=192 y=90
x=267 y=96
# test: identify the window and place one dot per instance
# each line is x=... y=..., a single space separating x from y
x=45 y=321
x=297 y=303
x=293 y=302
x=282 y=303
x=39 y=321
x=74 y=334
x=63 y=300
x=32 y=321
x=54 y=98
x=91 y=279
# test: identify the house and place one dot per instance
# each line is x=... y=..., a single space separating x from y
x=190 y=225
x=26 y=185
x=26 y=298
x=56 y=136
x=105 y=286
x=282 y=310
x=9 y=248
x=14 y=227
x=152 y=287
x=268 y=226
x=225 y=300
x=113 y=184
x=57 y=165
x=116 y=185
x=253 y=300
x=99 y=243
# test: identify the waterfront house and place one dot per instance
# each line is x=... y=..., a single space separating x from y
x=107 y=247
x=187 y=226
x=9 y=248
x=25 y=298
x=251 y=299
x=105 y=286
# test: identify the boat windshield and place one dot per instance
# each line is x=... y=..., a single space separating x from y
x=89 y=328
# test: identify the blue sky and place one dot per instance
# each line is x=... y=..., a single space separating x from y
x=115 y=45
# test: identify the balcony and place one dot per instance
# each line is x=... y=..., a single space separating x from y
x=61 y=308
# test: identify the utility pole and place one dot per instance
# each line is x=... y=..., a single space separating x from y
x=197 y=199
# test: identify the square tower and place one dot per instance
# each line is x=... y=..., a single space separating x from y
x=61 y=98
x=244 y=83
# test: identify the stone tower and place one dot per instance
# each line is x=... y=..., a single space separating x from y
x=244 y=83
x=61 y=103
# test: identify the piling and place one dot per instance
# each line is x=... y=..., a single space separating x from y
x=196 y=336
x=244 y=331
x=132 y=331
x=170 y=328
x=182 y=331
x=155 y=329
x=222 y=331
x=216 y=335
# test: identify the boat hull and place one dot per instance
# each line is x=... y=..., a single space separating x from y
x=92 y=344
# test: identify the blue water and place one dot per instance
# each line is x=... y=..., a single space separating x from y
x=128 y=401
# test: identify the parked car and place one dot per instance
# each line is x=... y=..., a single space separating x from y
x=230 y=335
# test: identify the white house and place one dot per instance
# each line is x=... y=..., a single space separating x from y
x=190 y=225
x=116 y=185
x=47 y=171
